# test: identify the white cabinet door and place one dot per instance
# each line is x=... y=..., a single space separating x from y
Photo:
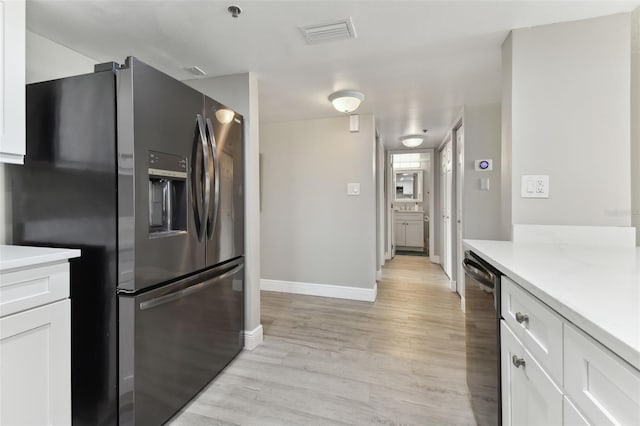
x=35 y=367
x=529 y=397
x=12 y=81
x=414 y=234
x=603 y=387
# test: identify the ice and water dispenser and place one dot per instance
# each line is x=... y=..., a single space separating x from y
x=167 y=194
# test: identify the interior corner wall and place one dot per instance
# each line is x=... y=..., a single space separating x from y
x=635 y=122
x=506 y=221
x=482 y=209
x=570 y=106
x=312 y=231
x=45 y=60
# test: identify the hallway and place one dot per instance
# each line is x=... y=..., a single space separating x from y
x=324 y=361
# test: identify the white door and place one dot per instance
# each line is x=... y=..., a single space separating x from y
x=459 y=223
x=446 y=192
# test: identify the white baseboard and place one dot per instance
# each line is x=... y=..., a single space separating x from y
x=322 y=290
x=453 y=286
x=253 y=338
x=463 y=305
x=378 y=274
x=434 y=259
x=606 y=236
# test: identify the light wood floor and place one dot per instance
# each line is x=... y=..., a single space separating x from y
x=398 y=361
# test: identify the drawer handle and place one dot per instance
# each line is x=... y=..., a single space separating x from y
x=520 y=317
x=518 y=362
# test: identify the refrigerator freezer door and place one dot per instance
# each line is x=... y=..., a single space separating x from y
x=225 y=236
x=175 y=339
x=158 y=121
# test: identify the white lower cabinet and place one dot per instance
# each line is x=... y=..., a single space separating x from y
x=35 y=368
x=409 y=229
x=575 y=382
x=529 y=397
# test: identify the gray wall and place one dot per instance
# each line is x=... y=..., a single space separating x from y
x=312 y=231
x=481 y=209
x=45 y=60
x=48 y=60
x=240 y=92
x=635 y=122
x=570 y=119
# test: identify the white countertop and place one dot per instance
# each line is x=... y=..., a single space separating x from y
x=596 y=288
x=12 y=257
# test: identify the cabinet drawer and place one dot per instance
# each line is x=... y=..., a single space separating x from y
x=536 y=325
x=29 y=288
x=571 y=415
x=409 y=217
x=603 y=386
x=529 y=396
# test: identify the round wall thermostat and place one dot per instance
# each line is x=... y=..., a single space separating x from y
x=484 y=165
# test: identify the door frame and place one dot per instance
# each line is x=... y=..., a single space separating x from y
x=390 y=247
x=458 y=228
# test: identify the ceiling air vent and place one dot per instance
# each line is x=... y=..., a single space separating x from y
x=195 y=70
x=330 y=31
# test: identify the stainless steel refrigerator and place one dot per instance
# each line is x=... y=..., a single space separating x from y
x=145 y=175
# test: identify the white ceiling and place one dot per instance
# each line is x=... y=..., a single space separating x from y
x=417 y=62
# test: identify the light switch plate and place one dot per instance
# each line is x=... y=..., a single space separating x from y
x=485 y=184
x=535 y=186
x=353 y=189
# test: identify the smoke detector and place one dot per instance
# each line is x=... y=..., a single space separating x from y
x=342 y=29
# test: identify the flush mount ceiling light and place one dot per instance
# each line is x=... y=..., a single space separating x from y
x=412 y=141
x=346 y=100
x=224 y=116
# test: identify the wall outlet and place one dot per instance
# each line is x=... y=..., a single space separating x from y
x=535 y=186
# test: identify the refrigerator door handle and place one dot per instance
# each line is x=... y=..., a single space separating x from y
x=206 y=160
x=196 y=179
x=179 y=294
x=213 y=213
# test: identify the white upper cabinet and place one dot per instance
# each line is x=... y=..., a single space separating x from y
x=12 y=78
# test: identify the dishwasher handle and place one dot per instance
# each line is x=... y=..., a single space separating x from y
x=485 y=278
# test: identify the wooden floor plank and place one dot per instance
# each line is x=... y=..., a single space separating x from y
x=398 y=361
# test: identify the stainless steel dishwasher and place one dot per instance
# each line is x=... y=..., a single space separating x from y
x=482 y=337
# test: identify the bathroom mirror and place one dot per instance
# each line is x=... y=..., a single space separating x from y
x=408 y=185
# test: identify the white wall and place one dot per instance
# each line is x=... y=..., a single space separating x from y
x=570 y=119
x=312 y=231
x=45 y=60
x=240 y=92
x=635 y=122
x=481 y=209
